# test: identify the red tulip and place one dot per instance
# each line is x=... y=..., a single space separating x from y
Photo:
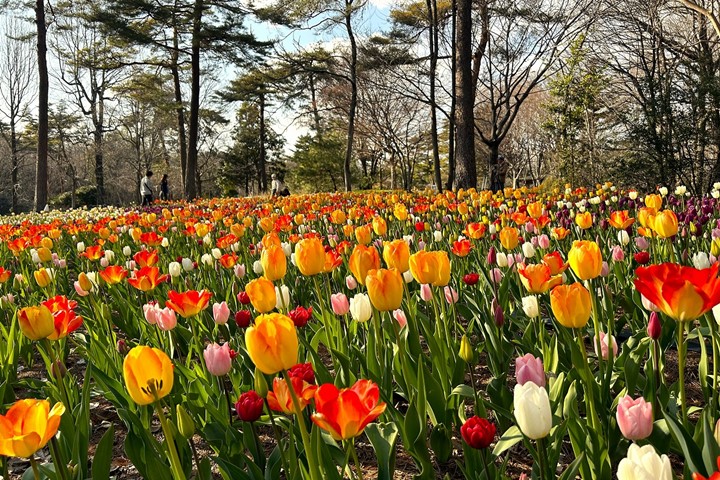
x=478 y=432
x=249 y=406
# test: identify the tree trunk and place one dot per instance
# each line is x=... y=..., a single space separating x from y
x=263 y=153
x=433 y=43
x=41 y=165
x=14 y=163
x=180 y=109
x=353 y=95
x=192 y=157
x=314 y=106
x=495 y=172
x=465 y=127
x=99 y=174
x=453 y=105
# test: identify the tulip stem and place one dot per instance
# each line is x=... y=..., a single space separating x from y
x=680 y=327
x=358 y=468
x=175 y=465
x=5 y=468
x=278 y=438
x=34 y=465
x=713 y=405
x=60 y=465
x=589 y=397
x=309 y=452
x=542 y=457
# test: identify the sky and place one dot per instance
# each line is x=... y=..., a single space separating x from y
x=374 y=20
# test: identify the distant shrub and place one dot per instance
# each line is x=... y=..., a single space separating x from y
x=84 y=196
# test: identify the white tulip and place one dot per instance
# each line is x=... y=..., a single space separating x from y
x=360 y=307
x=680 y=190
x=174 y=269
x=532 y=410
x=81 y=247
x=165 y=242
x=530 y=306
x=127 y=251
x=623 y=237
x=287 y=248
x=257 y=267
x=407 y=276
x=633 y=194
x=109 y=255
x=701 y=261
x=528 y=250
x=282 y=297
x=437 y=236
x=501 y=260
x=187 y=264
x=643 y=463
x=663 y=191
x=216 y=253
x=207 y=259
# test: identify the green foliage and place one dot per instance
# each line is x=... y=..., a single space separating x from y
x=84 y=196
x=317 y=164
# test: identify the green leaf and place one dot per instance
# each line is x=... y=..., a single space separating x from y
x=509 y=439
x=383 y=437
x=103 y=455
x=691 y=452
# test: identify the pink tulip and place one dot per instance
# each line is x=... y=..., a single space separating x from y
x=239 y=270
x=421 y=245
x=605 y=269
x=544 y=241
x=647 y=304
x=350 y=282
x=511 y=260
x=451 y=295
x=491 y=256
x=221 y=313
x=618 y=255
x=79 y=290
x=104 y=262
x=635 y=418
x=425 y=292
x=150 y=310
x=400 y=317
x=605 y=339
x=529 y=369
x=340 y=303
x=166 y=319
x=218 y=359
x=529 y=227
x=496 y=275
x=641 y=243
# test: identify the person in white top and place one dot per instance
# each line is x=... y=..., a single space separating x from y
x=278 y=187
x=146 y=188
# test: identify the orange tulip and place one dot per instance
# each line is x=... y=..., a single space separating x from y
x=363 y=234
x=620 y=219
x=535 y=209
x=147 y=279
x=273 y=262
x=338 y=217
x=475 y=230
x=509 y=238
x=65 y=319
x=188 y=304
x=443 y=271
x=148 y=374
x=272 y=343
x=4 y=275
x=310 y=256
x=344 y=413
x=397 y=255
x=461 y=248
x=555 y=262
x=28 y=426
x=385 y=289
x=280 y=399
x=560 y=233
x=571 y=305
x=424 y=267
x=362 y=260
x=271 y=239
x=94 y=252
x=682 y=293
x=37 y=322
x=113 y=274
x=146 y=258
x=585 y=259
x=584 y=220
x=262 y=294
x=537 y=278
x=228 y=260
x=645 y=216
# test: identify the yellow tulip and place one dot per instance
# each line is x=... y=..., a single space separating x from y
x=443 y=272
x=379 y=226
x=665 y=224
x=424 y=267
x=273 y=262
x=148 y=374
x=397 y=255
x=36 y=323
x=363 y=234
x=43 y=277
x=509 y=238
x=585 y=259
x=272 y=343
x=584 y=220
x=362 y=260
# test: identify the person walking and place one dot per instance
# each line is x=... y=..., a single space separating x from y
x=146 y=188
x=164 y=187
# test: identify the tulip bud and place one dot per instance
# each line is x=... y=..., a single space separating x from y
x=618 y=255
x=261 y=386
x=249 y=406
x=400 y=317
x=498 y=314
x=502 y=260
x=239 y=270
x=466 y=350
x=623 y=237
x=528 y=250
x=491 y=256
x=221 y=313
x=242 y=318
x=127 y=251
x=185 y=423
x=218 y=359
x=122 y=347
x=425 y=292
x=58 y=370
x=530 y=306
x=635 y=418
x=407 y=276
x=187 y=264
x=350 y=282
x=543 y=241
x=654 y=328
x=603 y=350
x=340 y=303
x=716 y=433
x=451 y=295
x=282 y=296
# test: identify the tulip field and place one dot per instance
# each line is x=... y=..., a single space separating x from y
x=518 y=334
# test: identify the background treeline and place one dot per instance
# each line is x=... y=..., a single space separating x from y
x=451 y=93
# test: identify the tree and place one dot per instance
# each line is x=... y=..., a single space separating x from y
x=317 y=163
x=16 y=73
x=465 y=98
x=41 y=164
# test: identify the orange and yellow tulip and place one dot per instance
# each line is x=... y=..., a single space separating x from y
x=147 y=279
x=148 y=374
x=273 y=262
x=585 y=259
x=538 y=278
x=280 y=399
x=620 y=219
x=584 y=220
x=362 y=260
x=28 y=426
x=262 y=294
x=344 y=413
x=509 y=238
x=571 y=305
x=310 y=256
x=397 y=255
x=36 y=322
x=188 y=304
x=385 y=289
x=665 y=224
